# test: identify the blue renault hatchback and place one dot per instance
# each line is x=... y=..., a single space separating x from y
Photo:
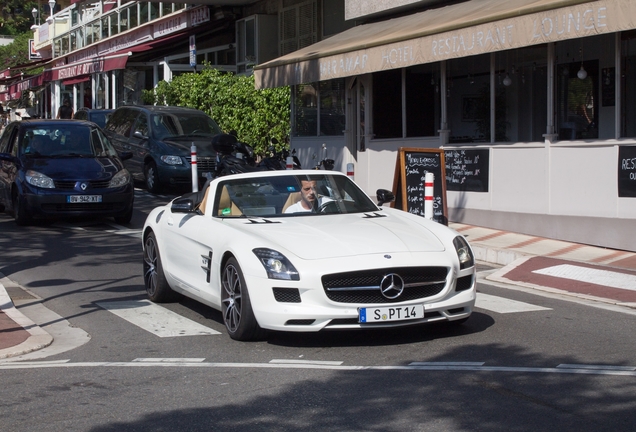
x=62 y=168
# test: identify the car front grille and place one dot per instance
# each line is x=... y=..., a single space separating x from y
x=205 y=164
x=364 y=286
x=70 y=185
x=286 y=295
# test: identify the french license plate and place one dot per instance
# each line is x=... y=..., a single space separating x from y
x=390 y=313
x=84 y=199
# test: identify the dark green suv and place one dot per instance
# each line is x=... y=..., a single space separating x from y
x=160 y=138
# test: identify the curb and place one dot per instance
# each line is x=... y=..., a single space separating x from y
x=38 y=339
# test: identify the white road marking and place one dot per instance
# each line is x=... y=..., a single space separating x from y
x=169 y=360
x=312 y=362
x=156 y=319
x=597 y=367
x=504 y=305
x=457 y=364
x=595 y=276
x=457 y=367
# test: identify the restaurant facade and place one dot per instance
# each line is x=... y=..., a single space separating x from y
x=532 y=100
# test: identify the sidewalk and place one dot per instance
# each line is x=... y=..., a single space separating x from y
x=18 y=334
x=588 y=272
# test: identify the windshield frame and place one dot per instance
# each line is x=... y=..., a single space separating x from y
x=271 y=196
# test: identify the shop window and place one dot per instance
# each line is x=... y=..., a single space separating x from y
x=577 y=101
x=306 y=110
x=332 y=107
x=387 y=104
x=319 y=108
x=628 y=85
x=422 y=101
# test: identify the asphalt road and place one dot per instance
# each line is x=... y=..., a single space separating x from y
x=546 y=364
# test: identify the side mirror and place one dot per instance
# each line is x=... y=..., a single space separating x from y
x=182 y=205
x=384 y=196
x=138 y=134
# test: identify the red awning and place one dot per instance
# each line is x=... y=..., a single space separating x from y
x=157 y=42
x=87 y=67
x=76 y=80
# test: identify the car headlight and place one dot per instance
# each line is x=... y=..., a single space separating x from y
x=38 y=179
x=171 y=160
x=464 y=253
x=122 y=178
x=276 y=264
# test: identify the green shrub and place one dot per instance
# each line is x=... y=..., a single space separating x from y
x=233 y=102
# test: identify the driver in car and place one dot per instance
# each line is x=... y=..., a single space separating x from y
x=309 y=199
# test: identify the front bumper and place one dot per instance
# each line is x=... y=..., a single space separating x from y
x=52 y=203
x=297 y=307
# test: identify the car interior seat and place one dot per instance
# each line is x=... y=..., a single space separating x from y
x=226 y=203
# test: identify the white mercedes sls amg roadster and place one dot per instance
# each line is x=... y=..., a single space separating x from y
x=305 y=251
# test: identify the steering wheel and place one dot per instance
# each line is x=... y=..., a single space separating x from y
x=328 y=207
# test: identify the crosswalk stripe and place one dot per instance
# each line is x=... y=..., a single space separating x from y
x=504 y=305
x=156 y=319
x=595 y=276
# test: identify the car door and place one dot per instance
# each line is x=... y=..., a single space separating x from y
x=138 y=141
x=118 y=130
x=188 y=248
x=7 y=167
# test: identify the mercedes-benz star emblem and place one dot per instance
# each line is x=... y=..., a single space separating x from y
x=392 y=286
x=83 y=186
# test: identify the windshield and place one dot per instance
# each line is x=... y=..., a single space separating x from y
x=167 y=125
x=291 y=196
x=66 y=141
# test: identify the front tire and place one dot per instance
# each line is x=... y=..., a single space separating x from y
x=125 y=218
x=152 y=178
x=21 y=213
x=238 y=315
x=155 y=281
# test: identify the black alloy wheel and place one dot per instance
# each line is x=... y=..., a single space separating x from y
x=155 y=281
x=236 y=306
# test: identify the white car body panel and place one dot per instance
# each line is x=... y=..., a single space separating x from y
x=315 y=245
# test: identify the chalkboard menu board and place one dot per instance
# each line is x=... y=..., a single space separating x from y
x=627 y=171
x=408 y=184
x=467 y=169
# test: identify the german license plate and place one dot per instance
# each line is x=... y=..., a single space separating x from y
x=84 y=199
x=390 y=313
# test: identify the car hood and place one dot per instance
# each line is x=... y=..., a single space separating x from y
x=74 y=168
x=183 y=144
x=332 y=236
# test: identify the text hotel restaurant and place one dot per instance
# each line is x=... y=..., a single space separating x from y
x=539 y=91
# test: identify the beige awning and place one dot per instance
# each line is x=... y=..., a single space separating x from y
x=464 y=29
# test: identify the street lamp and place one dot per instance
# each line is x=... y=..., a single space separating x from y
x=52 y=6
x=34 y=12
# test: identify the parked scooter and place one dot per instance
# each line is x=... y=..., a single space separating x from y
x=232 y=156
x=277 y=160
